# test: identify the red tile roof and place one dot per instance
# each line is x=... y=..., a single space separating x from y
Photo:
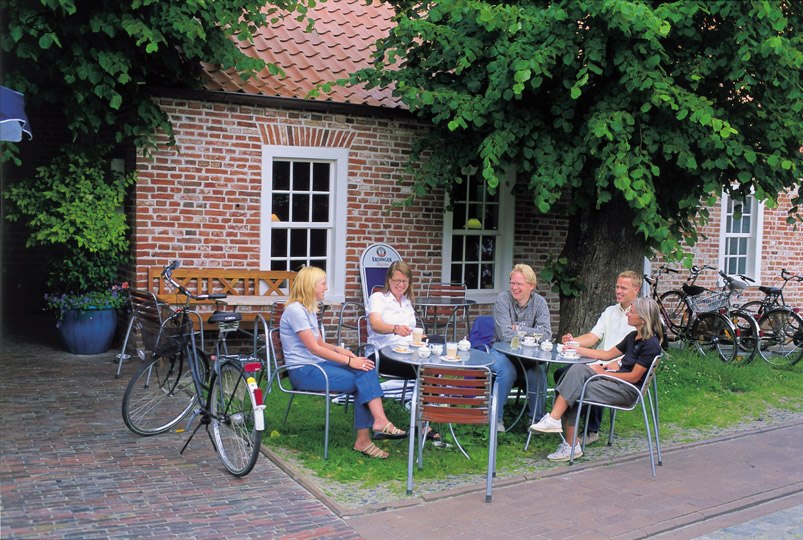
x=340 y=43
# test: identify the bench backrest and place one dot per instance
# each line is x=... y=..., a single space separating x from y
x=232 y=281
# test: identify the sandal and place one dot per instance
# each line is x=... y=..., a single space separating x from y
x=433 y=435
x=390 y=432
x=373 y=451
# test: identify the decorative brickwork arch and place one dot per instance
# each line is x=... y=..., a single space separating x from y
x=292 y=135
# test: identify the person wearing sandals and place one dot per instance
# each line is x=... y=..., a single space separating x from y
x=391 y=319
x=639 y=349
x=303 y=345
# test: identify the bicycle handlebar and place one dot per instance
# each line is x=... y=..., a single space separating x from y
x=167 y=275
x=787 y=276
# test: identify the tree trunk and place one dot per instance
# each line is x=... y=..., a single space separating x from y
x=600 y=244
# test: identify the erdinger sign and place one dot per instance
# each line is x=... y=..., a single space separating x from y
x=374 y=266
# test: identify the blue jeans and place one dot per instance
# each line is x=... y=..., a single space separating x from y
x=363 y=384
x=505 y=371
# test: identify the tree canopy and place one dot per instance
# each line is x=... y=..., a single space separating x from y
x=655 y=105
x=96 y=61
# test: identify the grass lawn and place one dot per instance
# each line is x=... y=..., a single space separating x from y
x=698 y=396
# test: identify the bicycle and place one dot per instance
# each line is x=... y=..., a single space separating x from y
x=178 y=380
x=780 y=326
x=674 y=303
x=746 y=326
x=714 y=327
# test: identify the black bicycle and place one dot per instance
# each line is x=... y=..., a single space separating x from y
x=674 y=303
x=780 y=326
x=179 y=379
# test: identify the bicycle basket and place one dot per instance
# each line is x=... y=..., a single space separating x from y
x=167 y=338
x=708 y=301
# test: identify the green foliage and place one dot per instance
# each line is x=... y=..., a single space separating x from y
x=75 y=205
x=98 y=61
x=662 y=104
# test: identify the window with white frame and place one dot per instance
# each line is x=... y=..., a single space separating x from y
x=740 y=236
x=478 y=236
x=301 y=189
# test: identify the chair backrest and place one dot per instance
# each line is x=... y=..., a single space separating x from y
x=276 y=353
x=152 y=319
x=482 y=332
x=457 y=395
x=451 y=290
x=374 y=264
x=352 y=324
x=645 y=384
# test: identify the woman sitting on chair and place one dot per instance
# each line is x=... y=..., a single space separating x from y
x=391 y=316
x=303 y=345
x=639 y=349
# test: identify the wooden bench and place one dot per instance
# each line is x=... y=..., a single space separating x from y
x=232 y=281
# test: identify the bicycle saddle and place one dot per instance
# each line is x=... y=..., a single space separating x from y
x=770 y=290
x=692 y=290
x=225 y=316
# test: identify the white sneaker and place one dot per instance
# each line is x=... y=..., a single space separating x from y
x=591 y=437
x=564 y=452
x=547 y=424
x=500 y=426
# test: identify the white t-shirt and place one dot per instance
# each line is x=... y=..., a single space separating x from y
x=392 y=312
x=611 y=327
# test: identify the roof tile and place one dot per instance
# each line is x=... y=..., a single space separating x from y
x=341 y=42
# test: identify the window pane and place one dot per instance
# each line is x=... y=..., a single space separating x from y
x=281 y=206
x=301 y=176
x=297 y=264
x=281 y=175
x=278 y=264
x=298 y=243
x=457 y=248
x=320 y=176
x=457 y=274
x=301 y=208
x=491 y=221
x=746 y=223
x=487 y=276
x=317 y=243
x=472 y=276
x=320 y=208
x=472 y=248
x=278 y=241
x=460 y=191
x=488 y=248
x=459 y=216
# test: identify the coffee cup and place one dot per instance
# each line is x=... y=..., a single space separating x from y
x=560 y=348
x=451 y=350
x=546 y=346
x=528 y=341
x=436 y=348
x=424 y=352
x=418 y=335
x=402 y=346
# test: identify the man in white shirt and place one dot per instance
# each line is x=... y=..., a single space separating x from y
x=611 y=328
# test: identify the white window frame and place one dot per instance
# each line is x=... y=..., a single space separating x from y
x=755 y=237
x=504 y=244
x=336 y=250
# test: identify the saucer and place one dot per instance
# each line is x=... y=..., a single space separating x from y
x=568 y=356
x=402 y=351
x=447 y=359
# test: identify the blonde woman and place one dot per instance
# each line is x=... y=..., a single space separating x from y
x=303 y=345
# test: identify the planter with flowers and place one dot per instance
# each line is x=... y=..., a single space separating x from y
x=75 y=205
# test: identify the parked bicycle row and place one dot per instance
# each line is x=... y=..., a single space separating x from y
x=711 y=320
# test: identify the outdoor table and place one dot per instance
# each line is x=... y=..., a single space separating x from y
x=532 y=354
x=472 y=357
x=453 y=302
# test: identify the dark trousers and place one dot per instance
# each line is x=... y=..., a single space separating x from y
x=595 y=418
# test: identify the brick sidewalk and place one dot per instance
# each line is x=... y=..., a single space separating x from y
x=71 y=469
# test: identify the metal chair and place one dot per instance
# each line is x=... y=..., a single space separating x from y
x=643 y=390
x=453 y=395
x=445 y=317
x=278 y=372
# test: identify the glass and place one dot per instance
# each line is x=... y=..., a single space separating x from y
x=538 y=334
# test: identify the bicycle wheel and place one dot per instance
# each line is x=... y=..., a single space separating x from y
x=160 y=394
x=781 y=333
x=715 y=332
x=676 y=314
x=754 y=308
x=233 y=420
x=748 y=333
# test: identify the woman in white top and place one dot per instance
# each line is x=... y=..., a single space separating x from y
x=303 y=345
x=391 y=316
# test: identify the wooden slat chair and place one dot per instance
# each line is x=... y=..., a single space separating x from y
x=278 y=373
x=452 y=395
x=643 y=391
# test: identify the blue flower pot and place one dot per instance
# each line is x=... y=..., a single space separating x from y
x=88 y=331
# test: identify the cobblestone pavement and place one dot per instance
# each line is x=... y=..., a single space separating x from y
x=71 y=469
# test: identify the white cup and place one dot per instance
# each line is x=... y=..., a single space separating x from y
x=436 y=348
x=424 y=352
x=528 y=341
x=451 y=350
x=546 y=346
x=401 y=346
x=418 y=335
